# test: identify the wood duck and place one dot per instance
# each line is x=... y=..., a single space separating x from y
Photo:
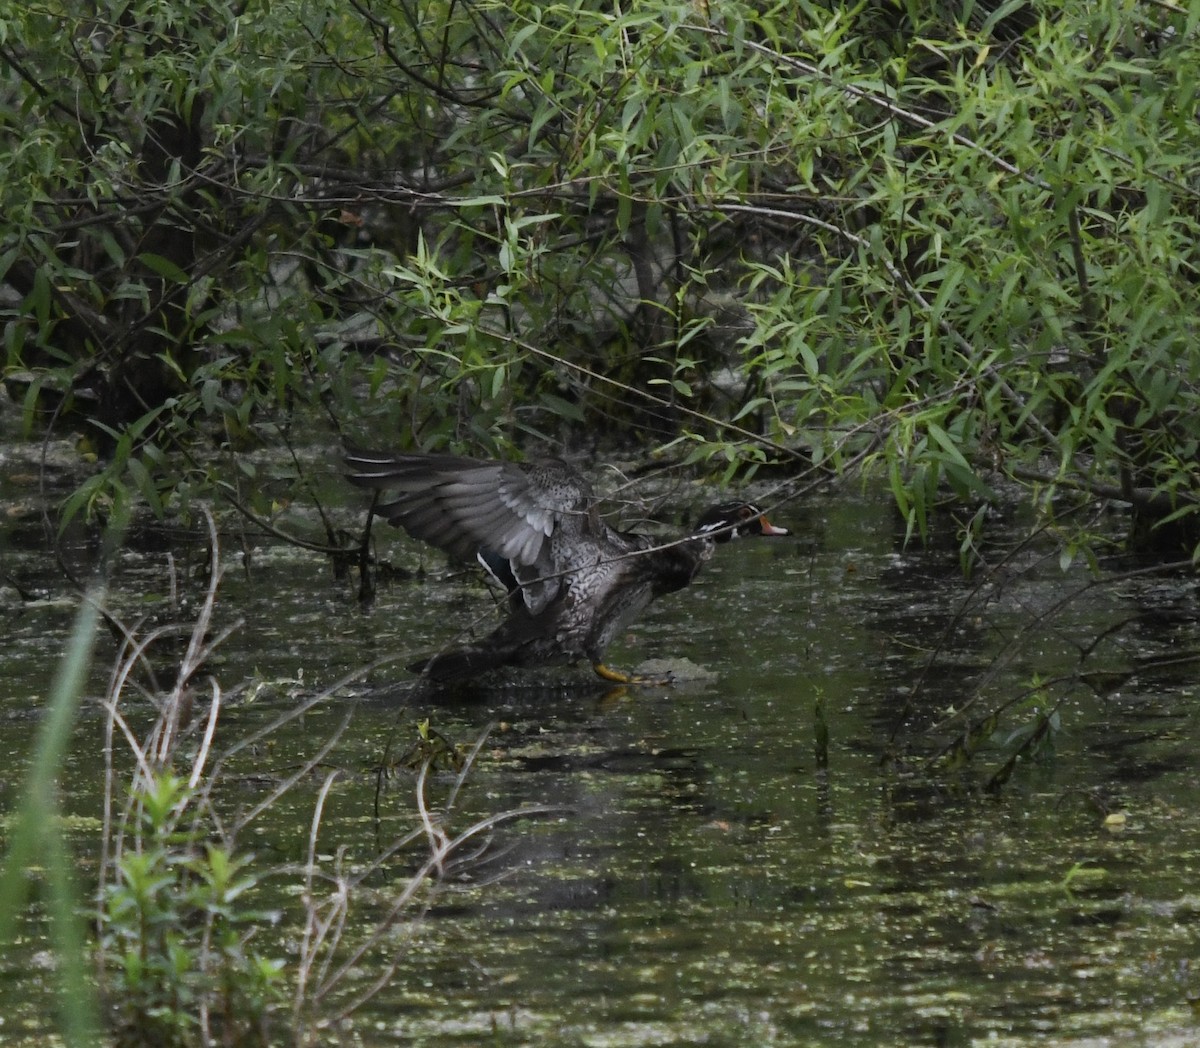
x=573 y=582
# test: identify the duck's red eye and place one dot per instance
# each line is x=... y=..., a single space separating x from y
x=745 y=513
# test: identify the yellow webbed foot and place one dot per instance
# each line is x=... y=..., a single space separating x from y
x=620 y=677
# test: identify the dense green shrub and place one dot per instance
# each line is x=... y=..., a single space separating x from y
x=177 y=933
x=956 y=244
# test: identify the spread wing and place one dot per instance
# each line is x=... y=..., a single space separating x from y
x=466 y=506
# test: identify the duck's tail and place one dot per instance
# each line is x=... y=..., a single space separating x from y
x=513 y=643
x=457 y=665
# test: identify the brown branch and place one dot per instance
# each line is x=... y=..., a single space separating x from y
x=1159 y=503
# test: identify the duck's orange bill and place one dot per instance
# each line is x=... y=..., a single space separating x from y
x=769 y=529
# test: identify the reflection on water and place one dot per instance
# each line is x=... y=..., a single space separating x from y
x=703 y=879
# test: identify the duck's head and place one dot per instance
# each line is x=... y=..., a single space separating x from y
x=733 y=519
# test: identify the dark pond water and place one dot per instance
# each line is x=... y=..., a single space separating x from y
x=722 y=864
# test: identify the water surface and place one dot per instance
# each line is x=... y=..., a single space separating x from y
x=722 y=864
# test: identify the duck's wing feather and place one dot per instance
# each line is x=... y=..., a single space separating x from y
x=465 y=505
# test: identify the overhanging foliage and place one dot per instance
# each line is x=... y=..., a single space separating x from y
x=951 y=244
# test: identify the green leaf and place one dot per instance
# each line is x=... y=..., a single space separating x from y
x=164 y=267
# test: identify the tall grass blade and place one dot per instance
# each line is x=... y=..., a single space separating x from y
x=36 y=838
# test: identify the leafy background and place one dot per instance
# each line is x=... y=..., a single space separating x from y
x=955 y=244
